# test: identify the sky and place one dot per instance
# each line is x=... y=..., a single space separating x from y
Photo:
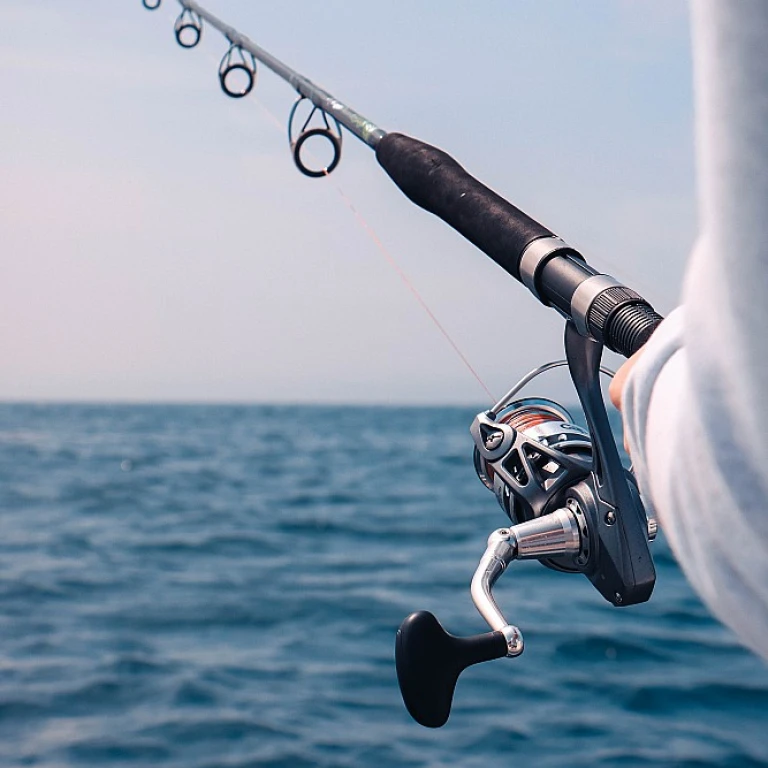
x=157 y=243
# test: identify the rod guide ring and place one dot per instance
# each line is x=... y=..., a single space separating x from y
x=325 y=130
x=151 y=5
x=326 y=133
x=236 y=60
x=188 y=20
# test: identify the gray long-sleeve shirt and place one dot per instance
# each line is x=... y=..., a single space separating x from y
x=696 y=404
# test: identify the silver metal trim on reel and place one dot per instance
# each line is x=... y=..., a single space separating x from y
x=584 y=296
x=536 y=254
x=552 y=535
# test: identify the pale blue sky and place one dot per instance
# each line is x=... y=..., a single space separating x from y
x=158 y=244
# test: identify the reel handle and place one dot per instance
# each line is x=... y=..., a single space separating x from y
x=429 y=661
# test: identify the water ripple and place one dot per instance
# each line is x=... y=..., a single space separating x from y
x=175 y=592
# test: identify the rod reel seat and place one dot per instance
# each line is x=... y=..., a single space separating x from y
x=188 y=28
x=237 y=60
x=330 y=130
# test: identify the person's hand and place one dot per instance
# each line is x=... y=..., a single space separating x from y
x=616 y=388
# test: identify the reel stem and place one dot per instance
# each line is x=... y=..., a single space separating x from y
x=551 y=535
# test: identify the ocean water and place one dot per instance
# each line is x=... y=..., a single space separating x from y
x=220 y=587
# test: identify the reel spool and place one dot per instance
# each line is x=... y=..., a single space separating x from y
x=526 y=448
x=188 y=28
x=540 y=421
x=237 y=60
x=330 y=131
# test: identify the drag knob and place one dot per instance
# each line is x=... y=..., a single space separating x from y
x=429 y=662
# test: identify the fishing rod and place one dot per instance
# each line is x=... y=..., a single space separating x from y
x=571 y=503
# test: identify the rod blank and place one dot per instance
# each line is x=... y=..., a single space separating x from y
x=354 y=122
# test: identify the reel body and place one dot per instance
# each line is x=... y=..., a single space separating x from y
x=525 y=453
x=530 y=455
x=573 y=507
x=536 y=460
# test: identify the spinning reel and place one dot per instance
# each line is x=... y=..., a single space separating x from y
x=572 y=506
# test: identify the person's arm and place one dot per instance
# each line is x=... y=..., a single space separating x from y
x=695 y=402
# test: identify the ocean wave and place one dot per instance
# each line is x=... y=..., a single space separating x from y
x=174 y=592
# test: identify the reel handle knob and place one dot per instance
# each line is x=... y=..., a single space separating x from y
x=429 y=661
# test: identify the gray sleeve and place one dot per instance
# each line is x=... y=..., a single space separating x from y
x=697 y=402
x=700 y=486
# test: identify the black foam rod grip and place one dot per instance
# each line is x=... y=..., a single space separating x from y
x=429 y=662
x=436 y=182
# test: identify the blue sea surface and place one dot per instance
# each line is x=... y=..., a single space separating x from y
x=220 y=587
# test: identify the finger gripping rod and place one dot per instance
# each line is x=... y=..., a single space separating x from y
x=554 y=272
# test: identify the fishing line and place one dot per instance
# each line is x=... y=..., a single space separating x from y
x=388 y=257
x=419 y=298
